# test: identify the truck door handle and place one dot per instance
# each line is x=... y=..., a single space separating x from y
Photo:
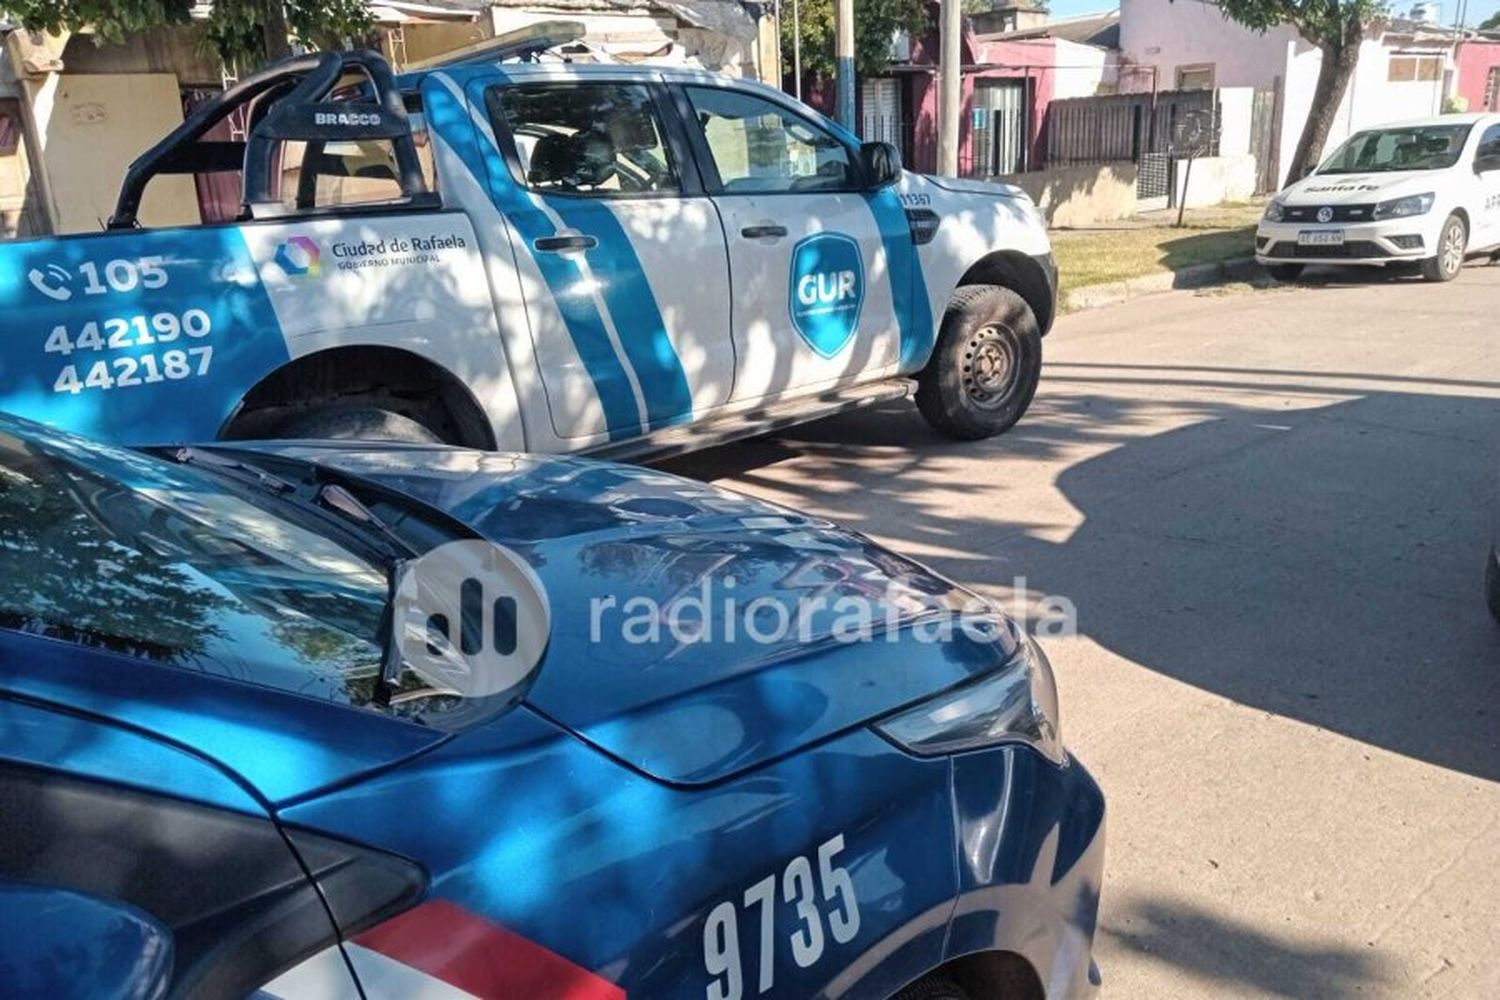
x=557 y=244
x=762 y=232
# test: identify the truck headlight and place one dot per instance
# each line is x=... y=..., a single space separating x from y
x=1400 y=208
x=1015 y=704
x=1274 y=211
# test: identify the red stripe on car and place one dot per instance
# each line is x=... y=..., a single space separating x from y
x=469 y=952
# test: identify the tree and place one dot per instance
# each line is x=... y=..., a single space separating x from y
x=1491 y=23
x=1336 y=27
x=875 y=21
x=245 y=33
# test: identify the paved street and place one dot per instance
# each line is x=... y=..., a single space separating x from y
x=1271 y=510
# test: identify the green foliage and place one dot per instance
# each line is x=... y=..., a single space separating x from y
x=1491 y=23
x=875 y=21
x=244 y=32
x=1323 y=22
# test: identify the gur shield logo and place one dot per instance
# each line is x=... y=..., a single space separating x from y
x=827 y=291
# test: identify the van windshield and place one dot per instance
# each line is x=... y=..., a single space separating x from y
x=1418 y=147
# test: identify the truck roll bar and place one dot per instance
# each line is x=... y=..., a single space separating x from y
x=288 y=101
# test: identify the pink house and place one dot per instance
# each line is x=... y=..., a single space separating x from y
x=1008 y=81
x=1478 y=81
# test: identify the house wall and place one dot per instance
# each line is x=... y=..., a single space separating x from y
x=1475 y=60
x=1215 y=180
x=89 y=128
x=1082 y=70
x=1081 y=195
x=1167 y=35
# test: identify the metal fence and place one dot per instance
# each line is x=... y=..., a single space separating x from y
x=1120 y=126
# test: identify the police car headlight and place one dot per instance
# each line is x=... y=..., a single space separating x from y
x=1274 y=212
x=1400 y=208
x=1016 y=704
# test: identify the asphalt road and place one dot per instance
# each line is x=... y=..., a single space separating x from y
x=1271 y=510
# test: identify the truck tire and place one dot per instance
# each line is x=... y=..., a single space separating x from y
x=1453 y=243
x=1492 y=585
x=1285 y=273
x=984 y=369
x=934 y=987
x=363 y=423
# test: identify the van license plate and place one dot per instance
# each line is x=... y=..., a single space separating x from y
x=1321 y=238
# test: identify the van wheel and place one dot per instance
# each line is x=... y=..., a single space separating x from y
x=985 y=368
x=1285 y=272
x=1452 y=245
x=364 y=423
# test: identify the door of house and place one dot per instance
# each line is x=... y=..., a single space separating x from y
x=999 y=127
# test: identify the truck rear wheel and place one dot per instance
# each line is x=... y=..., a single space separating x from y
x=985 y=368
x=363 y=423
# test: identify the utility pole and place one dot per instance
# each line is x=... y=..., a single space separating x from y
x=843 y=61
x=950 y=93
x=797 y=49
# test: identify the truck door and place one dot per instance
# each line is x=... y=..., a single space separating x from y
x=622 y=260
x=812 y=280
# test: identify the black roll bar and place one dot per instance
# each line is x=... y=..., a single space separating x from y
x=296 y=108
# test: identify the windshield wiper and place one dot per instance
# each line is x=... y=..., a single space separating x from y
x=259 y=477
x=398 y=553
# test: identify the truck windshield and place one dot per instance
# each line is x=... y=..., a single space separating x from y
x=174 y=564
x=1419 y=147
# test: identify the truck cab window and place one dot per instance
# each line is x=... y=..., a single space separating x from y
x=760 y=147
x=601 y=140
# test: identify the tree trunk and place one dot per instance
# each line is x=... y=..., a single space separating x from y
x=1340 y=56
x=274 y=32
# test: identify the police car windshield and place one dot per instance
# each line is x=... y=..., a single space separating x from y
x=1418 y=147
x=174 y=564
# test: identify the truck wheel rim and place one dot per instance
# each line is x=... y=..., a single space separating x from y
x=1453 y=248
x=989 y=367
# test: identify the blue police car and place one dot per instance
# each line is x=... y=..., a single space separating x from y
x=221 y=775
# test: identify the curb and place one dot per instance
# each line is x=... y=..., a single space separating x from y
x=1198 y=276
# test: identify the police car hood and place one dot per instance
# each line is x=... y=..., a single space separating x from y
x=1359 y=189
x=696 y=632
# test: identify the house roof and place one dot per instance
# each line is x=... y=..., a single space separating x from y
x=726 y=17
x=1101 y=28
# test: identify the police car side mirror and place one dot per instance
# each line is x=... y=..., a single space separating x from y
x=882 y=164
x=1487 y=162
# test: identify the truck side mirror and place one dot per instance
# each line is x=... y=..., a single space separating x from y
x=882 y=164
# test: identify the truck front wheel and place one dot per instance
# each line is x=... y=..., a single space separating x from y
x=358 y=423
x=984 y=369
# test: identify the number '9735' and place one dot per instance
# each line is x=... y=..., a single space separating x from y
x=828 y=895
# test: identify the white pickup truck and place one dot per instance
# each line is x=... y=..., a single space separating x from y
x=508 y=252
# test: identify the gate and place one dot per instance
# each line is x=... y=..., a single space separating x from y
x=1264 y=141
x=1136 y=127
x=999 y=128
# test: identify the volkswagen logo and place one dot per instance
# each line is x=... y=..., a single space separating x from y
x=1325 y=214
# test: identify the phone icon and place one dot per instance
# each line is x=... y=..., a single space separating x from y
x=53 y=283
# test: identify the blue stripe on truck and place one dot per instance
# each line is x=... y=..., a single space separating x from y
x=908 y=283
x=135 y=337
x=448 y=115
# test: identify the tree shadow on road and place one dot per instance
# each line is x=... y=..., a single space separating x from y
x=1218 y=949
x=1323 y=563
